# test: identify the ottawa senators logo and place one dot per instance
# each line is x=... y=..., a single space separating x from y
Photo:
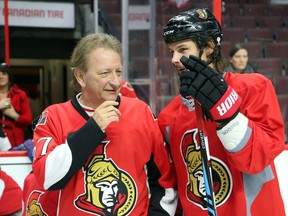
x=195 y=190
x=108 y=190
x=34 y=208
x=202 y=14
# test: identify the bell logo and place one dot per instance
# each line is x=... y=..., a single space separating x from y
x=226 y=105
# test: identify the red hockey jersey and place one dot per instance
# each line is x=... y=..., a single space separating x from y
x=245 y=181
x=104 y=173
x=127 y=90
x=10 y=195
x=37 y=201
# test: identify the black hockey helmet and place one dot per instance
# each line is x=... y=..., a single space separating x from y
x=196 y=24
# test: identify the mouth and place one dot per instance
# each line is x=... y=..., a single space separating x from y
x=112 y=91
x=180 y=69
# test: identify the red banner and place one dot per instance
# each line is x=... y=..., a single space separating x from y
x=6 y=33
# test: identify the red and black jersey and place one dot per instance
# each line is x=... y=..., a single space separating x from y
x=104 y=173
x=37 y=201
x=245 y=180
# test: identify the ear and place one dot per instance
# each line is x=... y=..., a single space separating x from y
x=79 y=76
x=209 y=51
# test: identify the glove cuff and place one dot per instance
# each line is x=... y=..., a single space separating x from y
x=227 y=106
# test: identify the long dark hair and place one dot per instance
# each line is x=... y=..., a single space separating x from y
x=216 y=58
x=6 y=69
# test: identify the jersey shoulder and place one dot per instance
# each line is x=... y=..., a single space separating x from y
x=247 y=81
x=169 y=112
x=173 y=105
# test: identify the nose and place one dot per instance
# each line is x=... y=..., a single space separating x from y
x=242 y=59
x=115 y=79
x=176 y=58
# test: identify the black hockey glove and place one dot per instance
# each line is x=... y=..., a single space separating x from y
x=220 y=102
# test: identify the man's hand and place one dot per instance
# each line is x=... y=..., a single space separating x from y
x=106 y=113
x=220 y=102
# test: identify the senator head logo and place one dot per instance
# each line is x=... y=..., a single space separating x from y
x=34 y=207
x=195 y=189
x=108 y=190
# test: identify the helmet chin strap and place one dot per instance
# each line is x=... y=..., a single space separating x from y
x=201 y=52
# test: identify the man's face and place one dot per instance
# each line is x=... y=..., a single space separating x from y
x=109 y=191
x=186 y=48
x=103 y=78
x=200 y=180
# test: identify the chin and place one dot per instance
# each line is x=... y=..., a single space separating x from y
x=111 y=97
